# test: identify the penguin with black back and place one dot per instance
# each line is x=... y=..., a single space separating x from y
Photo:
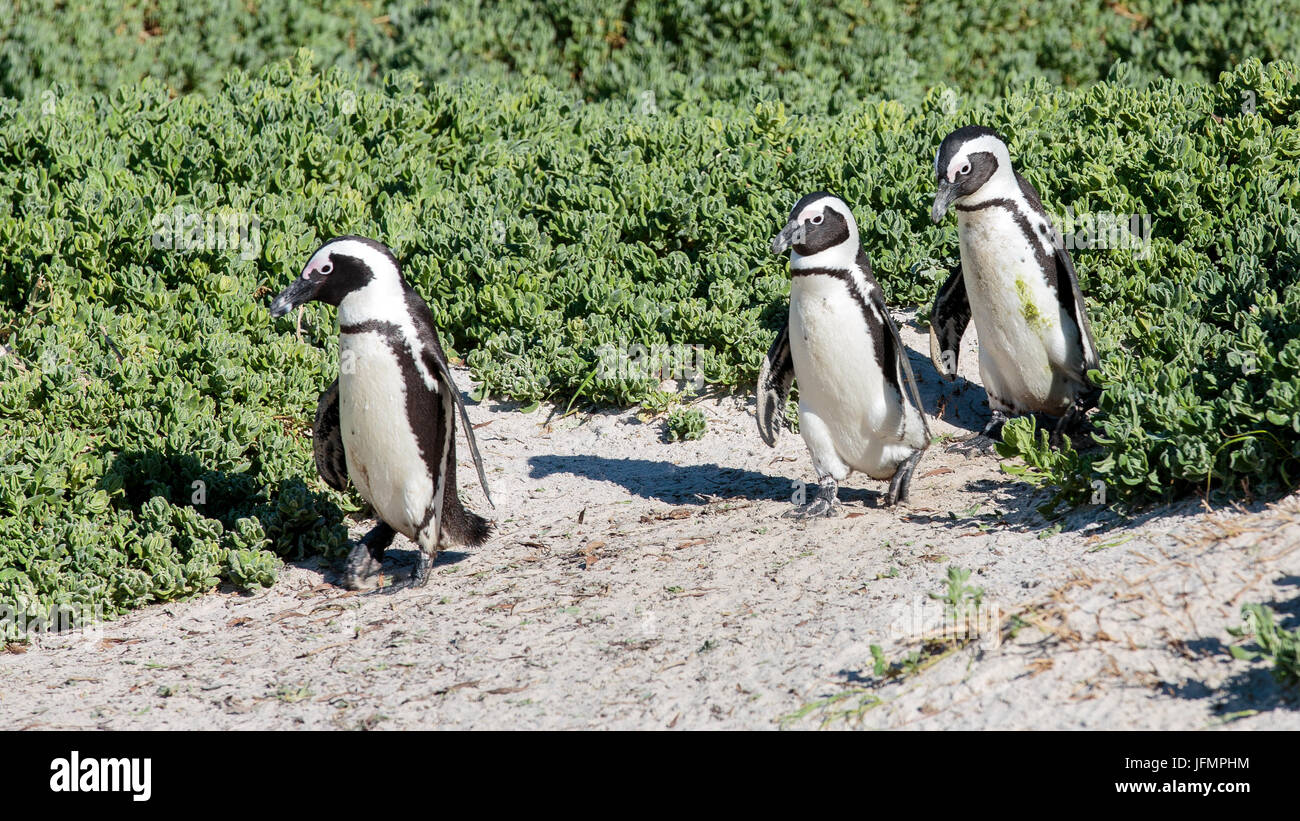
x=1017 y=281
x=388 y=423
x=859 y=408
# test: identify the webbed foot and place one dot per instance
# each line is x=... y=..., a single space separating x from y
x=366 y=561
x=901 y=485
x=825 y=504
x=419 y=576
x=984 y=442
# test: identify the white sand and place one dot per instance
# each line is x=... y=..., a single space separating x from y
x=638 y=584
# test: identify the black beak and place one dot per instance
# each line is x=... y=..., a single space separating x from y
x=299 y=293
x=791 y=234
x=942 y=199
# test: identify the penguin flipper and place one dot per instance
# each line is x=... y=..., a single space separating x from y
x=1071 y=299
x=894 y=363
x=1068 y=293
x=948 y=323
x=436 y=364
x=774 y=380
x=327 y=440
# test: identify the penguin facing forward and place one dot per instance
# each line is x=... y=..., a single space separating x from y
x=388 y=422
x=859 y=408
x=1016 y=281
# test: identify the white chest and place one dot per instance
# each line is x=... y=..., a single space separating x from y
x=383 y=455
x=1022 y=344
x=1004 y=280
x=830 y=341
x=835 y=365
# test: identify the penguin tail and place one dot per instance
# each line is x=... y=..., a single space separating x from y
x=464 y=527
x=477 y=529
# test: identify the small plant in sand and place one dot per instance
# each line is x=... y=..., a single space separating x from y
x=686 y=423
x=1280 y=646
x=961 y=601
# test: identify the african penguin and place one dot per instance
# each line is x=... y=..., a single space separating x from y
x=1016 y=281
x=389 y=421
x=859 y=408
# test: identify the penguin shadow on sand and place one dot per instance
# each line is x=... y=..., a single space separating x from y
x=961 y=403
x=672 y=484
x=400 y=560
x=664 y=481
x=959 y=409
x=650 y=479
x=291 y=505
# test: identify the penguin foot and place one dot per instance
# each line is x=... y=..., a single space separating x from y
x=900 y=486
x=985 y=442
x=362 y=570
x=977 y=444
x=1073 y=423
x=419 y=576
x=1057 y=437
x=825 y=504
x=993 y=430
x=423 y=569
x=366 y=561
x=816 y=508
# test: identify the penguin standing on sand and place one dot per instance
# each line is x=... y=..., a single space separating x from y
x=1016 y=281
x=389 y=421
x=859 y=408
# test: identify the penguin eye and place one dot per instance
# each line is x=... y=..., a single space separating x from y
x=326 y=268
x=817 y=220
x=965 y=169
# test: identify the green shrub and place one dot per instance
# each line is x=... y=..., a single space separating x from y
x=685 y=424
x=543 y=231
x=821 y=56
x=189 y=45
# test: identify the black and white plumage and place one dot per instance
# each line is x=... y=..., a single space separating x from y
x=859 y=408
x=388 y=422
x=1017 y=282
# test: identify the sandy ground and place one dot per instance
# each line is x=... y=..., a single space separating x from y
x=634 y=583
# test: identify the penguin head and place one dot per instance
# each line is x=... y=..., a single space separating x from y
x=822 y=226
x=341 y=266
x=970 y=159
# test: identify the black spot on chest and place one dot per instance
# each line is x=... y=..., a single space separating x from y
x=882 y=339
x=424 y=407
